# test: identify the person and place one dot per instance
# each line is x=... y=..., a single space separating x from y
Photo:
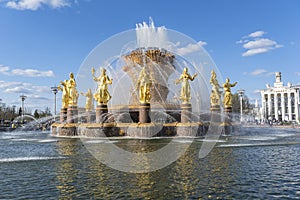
x=72 y=91
x=89 y=100
x=102 y=96
x=228 y=96
x=215 y=92
x=65 y=95
x=185 y=94
x=144 y=83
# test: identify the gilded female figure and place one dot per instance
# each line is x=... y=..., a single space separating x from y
x=228 y=96
x=89 y=100
x=102 y=96
x=65 y=94
x=144 y=83
x=215 y=95
x=72 y=91
x=185 y=94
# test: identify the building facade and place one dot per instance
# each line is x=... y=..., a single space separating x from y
x=281 y=102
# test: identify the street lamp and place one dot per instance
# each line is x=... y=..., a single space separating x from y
x=241 y=95
x=23 y=97
x=54 y=90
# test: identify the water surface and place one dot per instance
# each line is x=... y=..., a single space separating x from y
x=259 y=163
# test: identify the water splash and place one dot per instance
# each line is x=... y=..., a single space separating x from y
x=150 y=36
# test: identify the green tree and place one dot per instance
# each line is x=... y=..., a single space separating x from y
x=36 y=114
x=236 y=106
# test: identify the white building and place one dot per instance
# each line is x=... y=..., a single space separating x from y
x=281 y=102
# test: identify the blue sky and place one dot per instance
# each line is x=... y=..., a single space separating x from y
x=41 y=41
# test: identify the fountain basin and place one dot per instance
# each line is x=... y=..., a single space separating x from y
x=138 y=130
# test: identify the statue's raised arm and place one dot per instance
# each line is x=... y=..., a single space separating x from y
x=102 y=95
x=185 y=94
x=227 y=95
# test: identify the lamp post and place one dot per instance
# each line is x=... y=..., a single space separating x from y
x=23 y=97
x=241 y=95
x=54 y=90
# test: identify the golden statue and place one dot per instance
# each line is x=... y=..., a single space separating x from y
x=144 y=83
x=215 y=96
x=185 y=94
x=228 y=96
x=72 y=91
x=69 y=92
x=89 y=100
x=65 y=95
x=102 y=95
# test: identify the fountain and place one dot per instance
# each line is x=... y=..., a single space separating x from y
x=138 y=92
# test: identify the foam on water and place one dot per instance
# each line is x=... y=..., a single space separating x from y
x=5 y=137
x=258 y=138
x=256 y=144
x=23 y=159
x=99 y=141
x=182 y=141
x=243 y=144
x=211 y=140
x=24 y=140
x=285 y=135
x=47 y=140
x=33 y=140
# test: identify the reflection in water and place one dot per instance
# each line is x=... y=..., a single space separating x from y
x=267 y=168
x=66 y=172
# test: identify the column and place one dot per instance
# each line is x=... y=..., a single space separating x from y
x=101 y=113
x=269 y=105
x=297 y=106
x=289 y=106
x=276 y=106
x=263 y=106
x=72 y=114
x=144 y=113
x=63 y=115
x=186 y=110
x=282 y=106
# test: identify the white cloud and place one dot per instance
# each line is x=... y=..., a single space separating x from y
x=252 y=52
x=256 y=92
x=32 y=73
x=257 y=34
x=190 y=48
x=23 y=88
x=258 y=45
x=18 y=90
x=4 y=70
x=25 y=72
x=270 y=73
x=241 y=41
x=258 y=72
x=37 y=97
x=35 y=4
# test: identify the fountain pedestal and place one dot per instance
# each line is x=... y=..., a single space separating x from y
x=144 y=113
x=100 y=111
x=186 y=110
x=227 y=120
x=72 y=114
x=90 y=117
x=215 y=114
x=63 y=115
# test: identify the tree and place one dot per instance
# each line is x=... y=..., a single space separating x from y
x=36 y=114
x=236 y=106
x=20 y=111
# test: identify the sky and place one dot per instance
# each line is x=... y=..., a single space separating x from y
x=42 y=41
